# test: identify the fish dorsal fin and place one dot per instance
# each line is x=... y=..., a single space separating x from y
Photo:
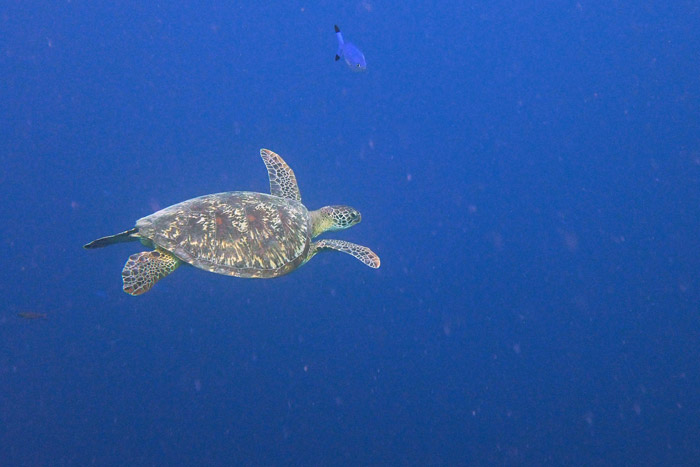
x=283 y=183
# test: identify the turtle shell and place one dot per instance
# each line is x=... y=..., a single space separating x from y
x=236 y=233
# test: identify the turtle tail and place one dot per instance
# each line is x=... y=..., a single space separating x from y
x=126 y=236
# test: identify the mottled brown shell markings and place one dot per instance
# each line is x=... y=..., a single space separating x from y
x=236 y=233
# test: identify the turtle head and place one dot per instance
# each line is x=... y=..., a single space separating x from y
x=330 y=218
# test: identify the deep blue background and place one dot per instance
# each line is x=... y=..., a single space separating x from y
x=528 y=172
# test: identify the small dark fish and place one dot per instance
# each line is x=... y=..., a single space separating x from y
x=31 y=315
x=352 y=55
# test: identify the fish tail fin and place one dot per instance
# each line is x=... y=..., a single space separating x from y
x=339 y=53
x=339 y=35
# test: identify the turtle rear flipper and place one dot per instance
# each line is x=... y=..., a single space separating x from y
x=144 y=269
x=126 y=236
x=362 y=253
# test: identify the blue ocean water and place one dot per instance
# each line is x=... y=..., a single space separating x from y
x=528 y=173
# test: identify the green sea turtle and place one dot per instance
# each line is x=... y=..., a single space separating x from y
x=237 y=233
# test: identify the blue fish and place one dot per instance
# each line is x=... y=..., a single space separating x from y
x=352 y=55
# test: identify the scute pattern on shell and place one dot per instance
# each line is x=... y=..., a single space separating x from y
x=236 y=233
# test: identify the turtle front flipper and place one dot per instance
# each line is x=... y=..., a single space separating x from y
x=283 y=183
x=144 y=269
x=364 y=254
